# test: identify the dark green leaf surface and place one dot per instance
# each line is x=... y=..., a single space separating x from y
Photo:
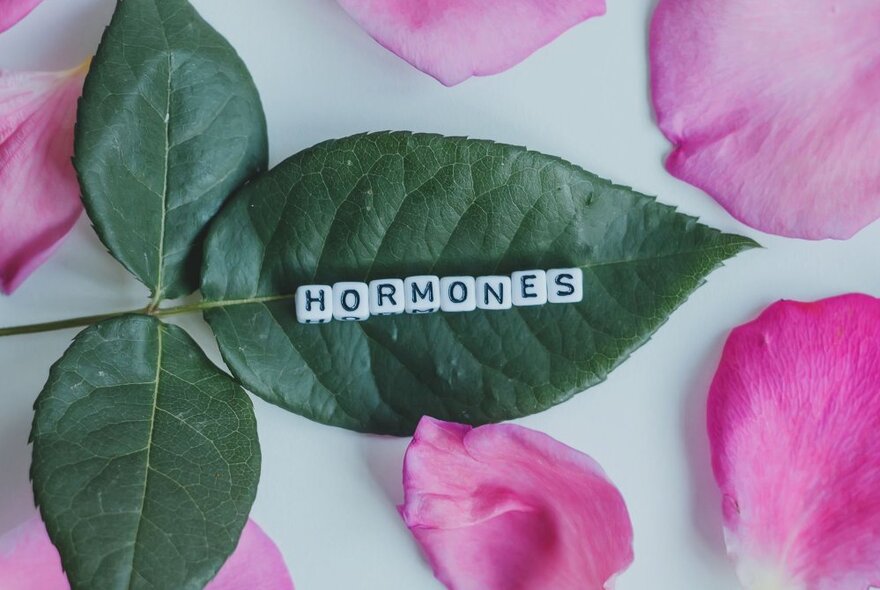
x=397 y=204
x=170 y=123
x=146 y=458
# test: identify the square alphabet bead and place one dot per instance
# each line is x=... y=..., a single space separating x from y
x=529 y=287
x=494 y=292
x=314 y=304
x=422 y=294
x=565 y=285
x=386 y=297
x=351 y=301
x=458 y=294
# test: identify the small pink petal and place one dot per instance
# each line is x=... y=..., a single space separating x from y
x=12 y=11
x=501 y=507
x=256 y=563
x=794 y=424
x=772 y=108
x=29 y=561
x=39 y=194
x=453 y=40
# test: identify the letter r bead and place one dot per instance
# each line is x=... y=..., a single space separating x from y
x=314 y=304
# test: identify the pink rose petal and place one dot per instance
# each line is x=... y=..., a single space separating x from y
x=772 y=108
x=453 y=40
x=255 y=564
x=29 y=561
x=39 y=194
x=12 y=11
x=794 y=424
x=502 y=507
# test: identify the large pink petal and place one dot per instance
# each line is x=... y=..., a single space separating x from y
x=12 y=11
x=453 y=40
x=502 y=507
x=39 y=194
x=29 y=561
x=794 y=423
x=772 y=108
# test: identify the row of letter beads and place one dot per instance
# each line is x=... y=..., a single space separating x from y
x=349 y=301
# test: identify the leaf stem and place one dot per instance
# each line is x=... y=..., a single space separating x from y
x=88 y=320
x=85 y=320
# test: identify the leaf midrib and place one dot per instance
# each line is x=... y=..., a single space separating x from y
x=149 y=449
x=157 y=295
x=213 y=304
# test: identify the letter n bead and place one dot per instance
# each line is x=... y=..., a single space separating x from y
x=458 y=294
x=351 y=301
x=422 y=294
x=565 y=285
x=493 y=292
x=314 y=304
x=529 y=287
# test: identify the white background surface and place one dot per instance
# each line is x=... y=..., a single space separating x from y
x=327 y=496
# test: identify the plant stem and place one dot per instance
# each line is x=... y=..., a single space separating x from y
x=149 y=310
x=86 y=320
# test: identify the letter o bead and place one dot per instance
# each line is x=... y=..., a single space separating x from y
x=314 y=304
x=458 y=294
x=351 y=302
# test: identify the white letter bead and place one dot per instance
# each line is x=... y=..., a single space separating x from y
x=351 y=301
x=314 y=304
x=458 y=294
x=529 y=287
x=421 y=294
x=386 y=297
x=565 y=285
x=493 y=292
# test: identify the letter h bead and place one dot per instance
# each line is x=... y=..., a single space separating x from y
x=314 y=304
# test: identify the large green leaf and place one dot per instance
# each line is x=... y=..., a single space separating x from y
x=170 y=123
x=397 y=204
x=146 y=458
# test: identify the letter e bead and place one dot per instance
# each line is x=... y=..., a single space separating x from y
x=422 y=294
x=529 y=287
x=565 y=285
x=314 y=304
x=351 y=301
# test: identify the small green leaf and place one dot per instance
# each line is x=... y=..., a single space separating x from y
x=397 y=204
x=145 y=460
x=170 y=123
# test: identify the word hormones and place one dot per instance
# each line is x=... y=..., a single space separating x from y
x=349 y=301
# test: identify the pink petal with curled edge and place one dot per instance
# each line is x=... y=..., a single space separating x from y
x=502 y=507
x=772 y=108
x=29 y=561
x=12 y=11
x=794 y=424
x=453 y=40
x=39 y=194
